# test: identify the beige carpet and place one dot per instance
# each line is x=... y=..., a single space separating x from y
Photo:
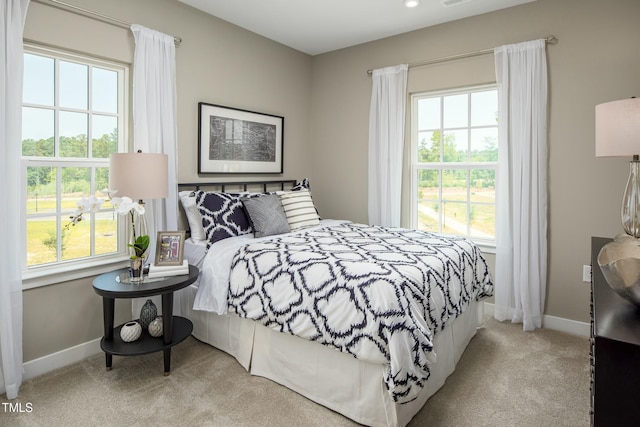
x=505 y=378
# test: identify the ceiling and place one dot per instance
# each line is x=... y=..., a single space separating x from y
x=319 y=26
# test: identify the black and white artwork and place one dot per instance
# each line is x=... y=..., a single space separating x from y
x=238 y=141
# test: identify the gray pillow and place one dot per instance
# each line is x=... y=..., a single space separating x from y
x=266 y=215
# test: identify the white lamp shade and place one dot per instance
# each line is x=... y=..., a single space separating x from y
x=618 y=128
x=139 y=175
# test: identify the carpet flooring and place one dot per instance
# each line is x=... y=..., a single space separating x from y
x=506 y=377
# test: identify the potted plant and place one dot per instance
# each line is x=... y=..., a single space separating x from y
x=122 y=205
x=140 y=246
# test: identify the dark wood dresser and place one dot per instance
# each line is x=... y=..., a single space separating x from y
x=615 y=352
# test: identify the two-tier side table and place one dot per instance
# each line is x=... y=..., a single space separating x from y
x=175 y=328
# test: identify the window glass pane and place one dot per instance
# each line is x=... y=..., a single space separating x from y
x=454 y=184
x=455 y=147
x=76 y=182
x=428 y=184
x=41 y=190
x=102 y=183
x=484 y=145
x=106 y=236
x=104 y=90
x=104 y=130
x=429 y=146
x=73 y=134
x=454 y=196
x=37 y=132
x=483 y=185
x=38 y=83
x=482 y=220
x=428 y=200
x=484 y=108
x=41 y=240
x=428 y=216
x=455 y=111
x=429 y=113
x=76 y=240
x=73 y=90
x=454 y=218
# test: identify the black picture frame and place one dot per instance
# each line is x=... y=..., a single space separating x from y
x=170 y=248
x=235 y=141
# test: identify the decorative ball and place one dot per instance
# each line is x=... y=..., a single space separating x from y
x=155 y=327
x=130 y=331
x=148 y=313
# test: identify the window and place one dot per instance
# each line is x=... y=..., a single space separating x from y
x=73 y=118
x=454 y=159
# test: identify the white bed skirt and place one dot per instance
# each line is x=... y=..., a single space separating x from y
x=335 y=380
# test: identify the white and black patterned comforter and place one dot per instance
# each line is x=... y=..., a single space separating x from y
x=378 y=294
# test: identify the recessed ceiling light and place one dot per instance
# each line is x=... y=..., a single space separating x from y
x=411 y=3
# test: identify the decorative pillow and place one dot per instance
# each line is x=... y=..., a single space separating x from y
x=299 y=208
x=266 y=215
x=223 y=215
x=188 y=200
x=302 y=185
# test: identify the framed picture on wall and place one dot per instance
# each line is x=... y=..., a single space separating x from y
x=238 y=141
x=169 y=248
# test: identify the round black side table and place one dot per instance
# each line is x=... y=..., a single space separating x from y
x=175 y=328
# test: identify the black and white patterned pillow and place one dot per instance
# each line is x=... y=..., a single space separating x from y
x=302 y=185
x=223 y=215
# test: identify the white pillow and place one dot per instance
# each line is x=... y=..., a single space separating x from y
x=188 y=200
x=299 y=208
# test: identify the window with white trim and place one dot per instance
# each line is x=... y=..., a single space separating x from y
x=73 y=117
x=454 y=138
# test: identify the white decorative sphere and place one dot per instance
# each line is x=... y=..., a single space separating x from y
x=130 y=331
x=155 y=327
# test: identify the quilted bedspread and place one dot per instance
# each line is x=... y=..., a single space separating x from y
x=379 y=294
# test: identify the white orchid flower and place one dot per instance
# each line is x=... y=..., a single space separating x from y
x=139 y=208
x=84 y=205
x=89 y=204
x=110 y=193
x=124 y=205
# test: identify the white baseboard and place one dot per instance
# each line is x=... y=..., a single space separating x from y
x=568 y=326
x=62 y=358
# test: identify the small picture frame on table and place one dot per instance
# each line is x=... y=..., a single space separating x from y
x=169 y=248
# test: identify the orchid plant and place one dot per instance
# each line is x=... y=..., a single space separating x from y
x=122 y=205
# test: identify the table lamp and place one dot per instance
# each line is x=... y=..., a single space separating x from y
x=139 y=176
x=618 y=134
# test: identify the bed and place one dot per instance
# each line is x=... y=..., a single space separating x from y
x=367 y=321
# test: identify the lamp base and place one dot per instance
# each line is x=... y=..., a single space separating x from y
x=620 y=264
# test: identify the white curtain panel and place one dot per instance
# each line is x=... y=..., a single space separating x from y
x=521 y=187
x=386 y=142
x=12 y=17
x=154 y=122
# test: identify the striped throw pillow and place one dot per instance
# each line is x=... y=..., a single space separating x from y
x=299 y=208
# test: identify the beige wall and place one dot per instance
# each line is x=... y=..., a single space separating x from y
x=596 y=60
x=217 y=63
x=325 y=102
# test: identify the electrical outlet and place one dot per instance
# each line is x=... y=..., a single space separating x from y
x=586 y=273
